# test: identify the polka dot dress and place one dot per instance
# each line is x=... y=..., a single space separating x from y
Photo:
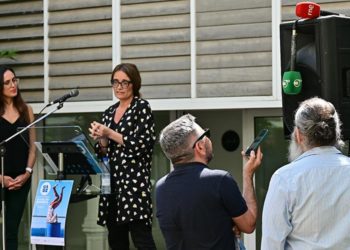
x=130 y=165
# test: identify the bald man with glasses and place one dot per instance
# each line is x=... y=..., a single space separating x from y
x=198 y=207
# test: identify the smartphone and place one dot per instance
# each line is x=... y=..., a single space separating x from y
x=255 y=144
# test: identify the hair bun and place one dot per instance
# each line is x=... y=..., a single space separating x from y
x=323 y=130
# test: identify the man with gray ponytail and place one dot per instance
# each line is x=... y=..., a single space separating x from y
x=198 y=207
x=307 y=203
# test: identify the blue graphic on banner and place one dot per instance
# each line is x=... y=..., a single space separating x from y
x=50 y=212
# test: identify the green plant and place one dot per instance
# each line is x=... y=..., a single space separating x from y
x=8 y=54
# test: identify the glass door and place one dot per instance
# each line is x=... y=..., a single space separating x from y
x=274 y=148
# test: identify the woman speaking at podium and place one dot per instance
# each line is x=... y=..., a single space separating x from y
x=126 y=135
x=19 y=157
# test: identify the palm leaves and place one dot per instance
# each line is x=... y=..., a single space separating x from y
x=11 y=54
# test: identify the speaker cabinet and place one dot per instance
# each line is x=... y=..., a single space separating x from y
x=323 y=59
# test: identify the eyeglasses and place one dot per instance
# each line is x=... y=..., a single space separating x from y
x=206 y=133
x=124 y=83
x=14 y=80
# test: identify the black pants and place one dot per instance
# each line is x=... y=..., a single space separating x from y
x=141 y=235
x=15 y=201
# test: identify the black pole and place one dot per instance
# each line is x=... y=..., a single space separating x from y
x=2 y=156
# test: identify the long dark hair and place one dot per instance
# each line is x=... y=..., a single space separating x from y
x=18 y=101
x=133 y=73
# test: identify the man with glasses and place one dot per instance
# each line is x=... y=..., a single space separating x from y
x=198 y=207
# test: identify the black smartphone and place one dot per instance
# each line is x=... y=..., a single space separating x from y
x=255 y=144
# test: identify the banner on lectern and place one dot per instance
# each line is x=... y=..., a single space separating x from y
x=50 y=212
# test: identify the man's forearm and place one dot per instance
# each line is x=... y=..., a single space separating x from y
x=249 y=194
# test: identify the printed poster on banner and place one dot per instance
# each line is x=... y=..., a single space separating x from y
x=50 y=212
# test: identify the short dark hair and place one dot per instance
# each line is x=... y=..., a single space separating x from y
x=133 y=73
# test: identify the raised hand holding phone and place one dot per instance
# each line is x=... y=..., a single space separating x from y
x=255 y=144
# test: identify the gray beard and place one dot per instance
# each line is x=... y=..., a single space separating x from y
x=294 y=150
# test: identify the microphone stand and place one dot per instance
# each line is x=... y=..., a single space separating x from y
x=2 y=155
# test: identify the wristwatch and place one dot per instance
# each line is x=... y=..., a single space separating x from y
x=29 y=170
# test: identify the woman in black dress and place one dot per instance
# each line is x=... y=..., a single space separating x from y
x=126 y=135
x=19 y=157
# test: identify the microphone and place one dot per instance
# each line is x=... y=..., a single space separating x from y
x=311 y=10
x=63 y=98
x=292 y=82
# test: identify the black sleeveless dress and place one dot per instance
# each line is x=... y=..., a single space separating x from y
x=17 y=149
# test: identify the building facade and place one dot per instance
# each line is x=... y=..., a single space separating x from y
x=219 y=60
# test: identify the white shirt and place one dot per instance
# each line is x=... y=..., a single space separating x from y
x=307 y=205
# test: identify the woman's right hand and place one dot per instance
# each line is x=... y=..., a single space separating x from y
x=19 y=181
x=7 y=181
x=98 y=131
x=103 y=133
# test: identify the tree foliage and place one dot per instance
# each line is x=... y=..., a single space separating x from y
x=11 y=54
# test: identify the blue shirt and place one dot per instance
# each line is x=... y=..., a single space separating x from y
x=195 y=206
x=307 y=205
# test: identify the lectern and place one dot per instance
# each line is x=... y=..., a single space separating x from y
x=67 y=151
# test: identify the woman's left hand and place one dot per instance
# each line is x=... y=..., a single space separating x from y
x=19 y=181
x=98 y=130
